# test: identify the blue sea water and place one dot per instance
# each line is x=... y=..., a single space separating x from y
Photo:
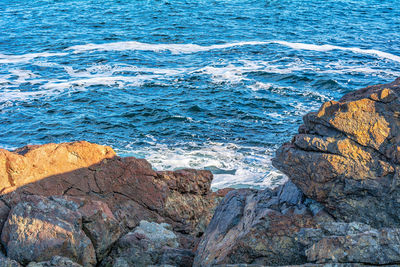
x=216 y=84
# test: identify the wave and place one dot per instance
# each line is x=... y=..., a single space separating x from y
x=326 y=48
x=9 y=59
x=194 y=48
x=173 y=48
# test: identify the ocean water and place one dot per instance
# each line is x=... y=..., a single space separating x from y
x=216 y=84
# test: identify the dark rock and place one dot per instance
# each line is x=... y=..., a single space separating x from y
x=177 y=257
x=56 y=261
x=258 y=227
x=142 y=247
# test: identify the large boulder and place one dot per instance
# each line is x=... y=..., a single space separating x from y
x=347 y=156
x=39 y=228
x=130 y=187
x=259 y=227
x=32 y=163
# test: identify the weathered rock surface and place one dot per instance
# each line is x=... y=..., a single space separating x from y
x=39 y=228
x=259 y=227
x=7 y=262
x=347 y=156
x=129 y=186
x=365 y=245
x=98 y=223
x=32 y=163
x=149 y=244
x=56 y=261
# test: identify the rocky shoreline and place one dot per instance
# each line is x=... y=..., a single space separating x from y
x=79 y=204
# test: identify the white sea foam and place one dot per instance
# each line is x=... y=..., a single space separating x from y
x=230 y=164
x=118 y=81
x=327 y=47
x=7 y=59
x=173 y=48
x=194 y=48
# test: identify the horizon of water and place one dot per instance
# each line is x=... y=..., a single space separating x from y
x=218 y=85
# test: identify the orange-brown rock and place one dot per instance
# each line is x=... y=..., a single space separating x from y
x=130 y=187
x=32 y=163
x=347 y=156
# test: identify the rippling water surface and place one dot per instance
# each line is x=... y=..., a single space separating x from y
x=214 y=84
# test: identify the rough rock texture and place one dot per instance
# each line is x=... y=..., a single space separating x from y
x=99 y=224
x=354 y=243
x=32 y=163
x=39 y=228
x=347 y=156
x=7 y=262
x=259 y=227
x=56 y=261
x=129 y=186
x=149 y=244
x=76 y=200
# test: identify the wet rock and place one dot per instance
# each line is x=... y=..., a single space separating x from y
x=347 y=156
x=259 y=227
x=56 y=261
x=143 y=246
x=39 y=228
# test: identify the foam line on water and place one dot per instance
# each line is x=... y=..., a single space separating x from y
x=327 y=47
x=9 y=59
x=173 y=48
x=194 y=48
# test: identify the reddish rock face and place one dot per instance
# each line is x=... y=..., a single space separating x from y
x=347 y=156
x=129 y=186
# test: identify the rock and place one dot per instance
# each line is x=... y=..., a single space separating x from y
x=378 y=247
x=131 y=189
x=259 y=227
x=7 y=262
x=39 y=228
x=56 y=261
x=4 y=211
x=143 y=246
x=347 y=156
x=99 y=224
x=32 y=163
x=177 y=257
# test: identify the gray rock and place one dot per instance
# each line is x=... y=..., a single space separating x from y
x=258 y=227
x=56 y=261
x=7 y=262
x=378 y=247
x=142 y=247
